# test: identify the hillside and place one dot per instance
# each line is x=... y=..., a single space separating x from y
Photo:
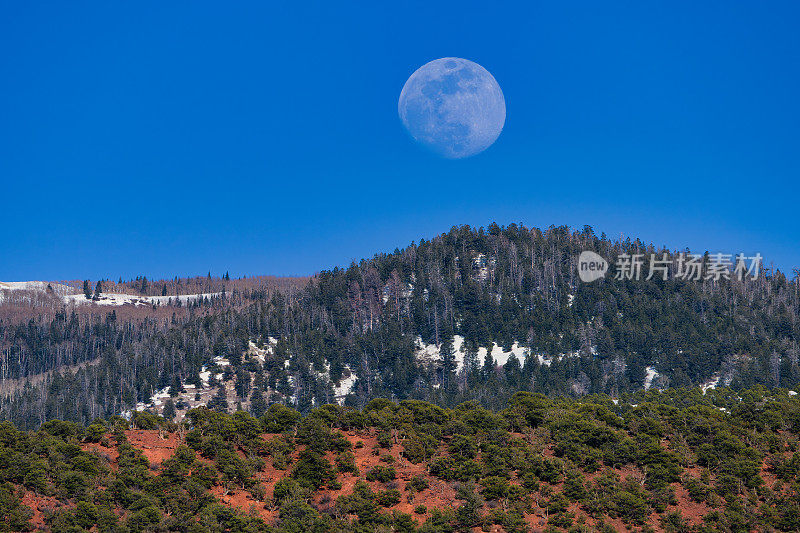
x=473 y=314
x=657 y=461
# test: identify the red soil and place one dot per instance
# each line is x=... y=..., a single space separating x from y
x=107 y=453
x=157 y=446
x=39 y=504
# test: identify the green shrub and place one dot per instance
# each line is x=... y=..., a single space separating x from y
x=86 y=514
x=381 y=473
x=285 y=488
x=312 y=470
x=494 y=488
x=279 y=418
x=417 y=483
x=95 y=432
x=144 y=518
x=463 y=446
x=388 y=498
x=384 y=439
x=346 y=462
x=631 y=506
x=420 y=448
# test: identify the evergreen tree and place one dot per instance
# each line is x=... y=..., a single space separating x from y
x=470 y=358
x=448 y=366
x=169 y=410
x=175 y=387
x=220 y=400
x=87 y=289
x=98 y=289
x=258 y=405
x=242 y=383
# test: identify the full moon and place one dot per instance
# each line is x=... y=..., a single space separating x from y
x=453 y=106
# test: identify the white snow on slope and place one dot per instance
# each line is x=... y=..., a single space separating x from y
x=260 y=354
x=110 y=298
x=501 y=356
x=649 y=377
x=345 y=386
x=58 y=288
x=7 y=287
x=68 y=294
x=183 y=298
x=116 y=299
x=710 y=384
x=432 y=353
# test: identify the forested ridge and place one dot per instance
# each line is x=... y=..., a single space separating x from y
x=500 y=285
x=674 y=460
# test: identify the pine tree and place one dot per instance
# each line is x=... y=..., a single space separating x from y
x=164 y=290
x=175 y=387
x=242 y=382
x=220 y=400
x=98 y=289
x=87 y=289
x=471 y=358
x=258 y=405
x=169 y=410
x=448 y=366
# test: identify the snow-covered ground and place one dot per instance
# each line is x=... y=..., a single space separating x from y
x=116 y=299
x=6 y=287
x=432 y=353
x=501 y=356
x=71 y=296
x=260 y=354
x=58 y=288
x=712 y=384
x=650 y=375
x=345 y=386
x=183 y=298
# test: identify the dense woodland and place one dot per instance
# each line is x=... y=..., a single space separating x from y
x=674 y=460
x=498 y=284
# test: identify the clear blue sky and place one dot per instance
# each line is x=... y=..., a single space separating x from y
x=174 y=138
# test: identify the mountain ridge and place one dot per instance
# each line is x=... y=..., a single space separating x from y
x=488 y=289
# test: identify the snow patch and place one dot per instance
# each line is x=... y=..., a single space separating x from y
x=69 y=296
x=650 y=375
x=345 y=386
x=501 y=356
x=431 y=353
x=712 y=384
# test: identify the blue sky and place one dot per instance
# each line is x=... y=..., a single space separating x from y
x=168 y=139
